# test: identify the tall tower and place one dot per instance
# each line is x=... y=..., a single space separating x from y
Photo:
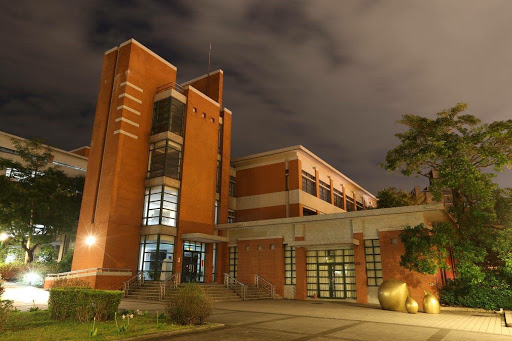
x=158 y=173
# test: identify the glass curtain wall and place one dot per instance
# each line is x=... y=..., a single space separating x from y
x=160 y=206
x=164 y=159
x=156 y=257
x=168 y=115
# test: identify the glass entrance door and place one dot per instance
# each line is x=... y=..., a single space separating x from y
x=331 y=273
x=191 y=265
x=193 y=262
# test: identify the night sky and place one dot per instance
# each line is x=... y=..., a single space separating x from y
x=333 y=76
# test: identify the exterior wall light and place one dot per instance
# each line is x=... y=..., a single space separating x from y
x=3 y=237
x=90 y=240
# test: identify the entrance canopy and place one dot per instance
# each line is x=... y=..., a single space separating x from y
x=204 y=238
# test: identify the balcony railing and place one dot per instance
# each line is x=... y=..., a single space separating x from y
x=171 y=85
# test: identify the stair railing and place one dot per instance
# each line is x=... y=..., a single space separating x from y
x=171 y=282
x=232 y=282
x=136 y=281
x=266 y=285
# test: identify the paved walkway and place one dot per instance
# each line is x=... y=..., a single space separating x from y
x=317 y=320
x=25 y=296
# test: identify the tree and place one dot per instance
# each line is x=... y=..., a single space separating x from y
x=37 y=203
x=394 y=197
x=466 y=155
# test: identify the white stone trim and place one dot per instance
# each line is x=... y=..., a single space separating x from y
x=190 y=87
x=263 y=237
x=227 y=111
x=120 y=131
x=150 y=52
x=121 y=107
x=119 y=119
x=203 y=76
x=124 y=94
x=111 y=50
x=132 y=85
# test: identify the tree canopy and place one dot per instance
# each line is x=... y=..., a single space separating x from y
x=465 y=155
x=37 y=203
x=394 y=197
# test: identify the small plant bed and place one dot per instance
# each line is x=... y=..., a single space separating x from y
x=37 y=325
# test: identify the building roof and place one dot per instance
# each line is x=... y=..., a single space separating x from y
x=306 y=151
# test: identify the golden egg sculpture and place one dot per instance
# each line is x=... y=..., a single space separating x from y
x=430 y=304
x=411 y=305
x=392 y=295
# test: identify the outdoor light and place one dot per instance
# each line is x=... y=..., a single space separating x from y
x=3 y=237
x=90 y=240
x=32 y=278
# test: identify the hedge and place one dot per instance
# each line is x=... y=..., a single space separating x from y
x=189 y=305
x=491 y=294
x=83 y=304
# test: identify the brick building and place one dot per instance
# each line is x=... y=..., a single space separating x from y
x=161 y=199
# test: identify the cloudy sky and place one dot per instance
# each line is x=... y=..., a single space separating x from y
x=333 y=76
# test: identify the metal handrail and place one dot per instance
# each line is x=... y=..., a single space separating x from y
x=64 y=274
x=230 y=281
x=260 y=281
x=171 y=85
x=138 y=278
x=174 y=280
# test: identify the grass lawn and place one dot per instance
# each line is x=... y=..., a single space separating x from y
x=37 y=325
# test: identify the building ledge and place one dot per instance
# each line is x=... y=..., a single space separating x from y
x=204 y=238
x=166 y=135
x=162 y=180
x=158 y=229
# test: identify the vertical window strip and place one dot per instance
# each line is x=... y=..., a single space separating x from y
x=373 y=262
x=290 y=274
x=233 y=261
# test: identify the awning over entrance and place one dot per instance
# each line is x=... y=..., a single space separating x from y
x=204 y=238
x=305 y=243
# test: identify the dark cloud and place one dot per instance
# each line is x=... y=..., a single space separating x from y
x=333 y=76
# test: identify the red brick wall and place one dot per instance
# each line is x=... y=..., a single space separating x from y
x=261 y=180
x=360 y=261
x=391 y=268
x=300 y=271
x=271 y=212
x=265 y=262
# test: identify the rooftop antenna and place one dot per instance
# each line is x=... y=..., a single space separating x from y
x=208 y=74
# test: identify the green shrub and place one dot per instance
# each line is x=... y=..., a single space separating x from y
x=12 y=254
x=189 y=305
x=11 y=271
x=83 y=304
x=5 y=306
x=491 y=294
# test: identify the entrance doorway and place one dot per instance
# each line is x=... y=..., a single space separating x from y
x=331 y=273
x=193 y=262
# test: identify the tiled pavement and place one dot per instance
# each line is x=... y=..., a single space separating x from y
x=317 y=320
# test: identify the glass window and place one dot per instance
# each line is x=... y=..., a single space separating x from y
x=373 y=262
x=164 y=160
x=233 y=261
x=289 y=265
x=160 y=206
x=359 y=206
x=308 y=183
x=231 y=216
x=168 y=115
x=350 y=204
x=156 y=257
x=219 y=150
x=217 y=208
x=325 y=191
x=232 y=184
x=217 y=182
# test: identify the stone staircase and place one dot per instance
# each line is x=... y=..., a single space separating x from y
x=217 y=292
